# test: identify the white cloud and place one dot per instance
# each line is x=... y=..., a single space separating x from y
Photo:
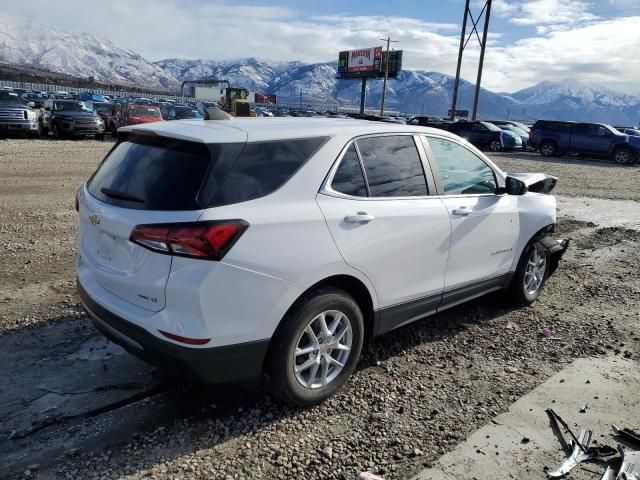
x=570 y=42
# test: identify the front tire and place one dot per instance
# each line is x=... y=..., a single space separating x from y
x=316 y=348
x=531 y=274
x=623 y=156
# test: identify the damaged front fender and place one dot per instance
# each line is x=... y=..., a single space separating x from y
x=555 y=250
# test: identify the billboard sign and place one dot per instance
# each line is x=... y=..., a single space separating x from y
x=368 y=63
x=362 y=60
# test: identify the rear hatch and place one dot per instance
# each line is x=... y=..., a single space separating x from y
x=145 y=179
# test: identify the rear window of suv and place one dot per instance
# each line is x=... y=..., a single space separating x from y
x=159 y=173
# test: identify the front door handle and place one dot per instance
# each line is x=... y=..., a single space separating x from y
x=461 y=211
x=360 y=217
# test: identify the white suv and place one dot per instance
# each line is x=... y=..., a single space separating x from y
x=274 y=247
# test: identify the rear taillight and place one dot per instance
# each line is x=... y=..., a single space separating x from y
x=207 y=240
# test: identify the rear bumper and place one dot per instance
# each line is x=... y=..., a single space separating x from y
x=230 y=363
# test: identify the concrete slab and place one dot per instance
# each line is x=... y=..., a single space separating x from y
x=520 y=443
x=602 y=212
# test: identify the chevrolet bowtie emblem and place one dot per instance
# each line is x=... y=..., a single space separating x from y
x=94 y=219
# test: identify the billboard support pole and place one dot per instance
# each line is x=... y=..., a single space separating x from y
x=463 y=33
x=363 y=95
x=482 y=49
x=386 y=74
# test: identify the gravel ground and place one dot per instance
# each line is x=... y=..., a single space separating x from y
x=418 y=391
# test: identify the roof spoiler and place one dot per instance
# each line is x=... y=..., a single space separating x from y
x=214 y=113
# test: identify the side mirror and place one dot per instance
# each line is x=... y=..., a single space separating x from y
x=513 y=186
x=31 y=104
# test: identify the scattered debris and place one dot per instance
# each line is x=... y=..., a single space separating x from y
x=609 y=474
x=368 y=476
x=546 y=331
x=580 y=447
x=584 y=408
x=627 y=434
x=630 y=467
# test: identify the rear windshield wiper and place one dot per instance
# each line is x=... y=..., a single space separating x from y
x=121 y=195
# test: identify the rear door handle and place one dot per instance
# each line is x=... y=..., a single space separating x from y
x=461 y=211
x=360 y=217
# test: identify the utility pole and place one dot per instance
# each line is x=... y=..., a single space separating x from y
x=386 y=73
x=463 y=34
x=301 y=99
x=482 y=49
x=486 y=11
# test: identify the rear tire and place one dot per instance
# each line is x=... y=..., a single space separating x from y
x=530 y=276
x=548 y=148
x=495 y=146
x=307 y=363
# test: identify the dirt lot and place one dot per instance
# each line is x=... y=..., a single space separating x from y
x=72 y=405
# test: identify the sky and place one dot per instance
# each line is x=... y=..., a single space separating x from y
x=594 y=41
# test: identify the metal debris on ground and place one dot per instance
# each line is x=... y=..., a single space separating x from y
x=627 y=434
x=630 y=467
x=580 y=450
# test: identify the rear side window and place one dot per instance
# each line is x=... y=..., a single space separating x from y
x=393 y=167
x=263 y=167
x=155 y=173
x=349 y=178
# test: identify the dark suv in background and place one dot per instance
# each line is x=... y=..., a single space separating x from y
x=590 y=139
x=486 y=135
x=70 y=118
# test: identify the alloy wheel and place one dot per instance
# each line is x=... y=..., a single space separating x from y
x=322 y=350
x=495 y=146
x=535 y=271
x=547 y=149
x=622 y=156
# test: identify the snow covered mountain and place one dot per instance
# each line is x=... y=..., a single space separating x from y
x=27 y=44
x=414 y=91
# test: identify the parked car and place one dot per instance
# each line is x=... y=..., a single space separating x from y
x=524 y=136
x=70 y=118
x=226 y=251
x=180 y=112
x=433 y=122
x=16 y=116
x=91 y=97
x=133 y=114
x=34 y=100
x=486 y=135
x=591 y=139
x=629 y=131
x=520 y=125
x=104 y=110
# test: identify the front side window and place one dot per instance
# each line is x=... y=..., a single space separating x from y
x=349 y=178
x=393 y=167
x=461 y=171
